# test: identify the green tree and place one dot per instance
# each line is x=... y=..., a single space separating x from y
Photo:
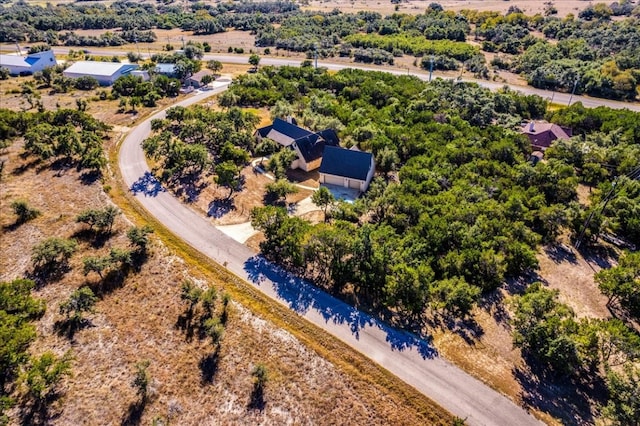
x=260 y=375
x=141 y=380
x=228 y=175
x=80 y=301
x=44 y=373
x=280 y=162
x=254 y=60
x=214 y=329
x=621 y=284
x=96 y=264
x=101 y=219
x=623 y=407
x=191 y=294
x=53 y=254
x=277 y=191
x=24 y=212
x=215 y=66
x=139 y=237
x=455 y=296
x=324 y=199
x=134 y=102
x=17 y=309
x=545 y=329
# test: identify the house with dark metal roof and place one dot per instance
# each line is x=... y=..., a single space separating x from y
x=307 y=145
x=347 y=167
x=541 y=134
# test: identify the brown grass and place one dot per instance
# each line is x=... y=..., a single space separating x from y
x=529 y=7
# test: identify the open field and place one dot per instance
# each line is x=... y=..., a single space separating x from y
x=529 y=7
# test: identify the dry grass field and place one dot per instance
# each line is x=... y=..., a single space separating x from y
x=529 y=7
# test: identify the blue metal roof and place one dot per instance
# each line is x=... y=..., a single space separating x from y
x=345 y=162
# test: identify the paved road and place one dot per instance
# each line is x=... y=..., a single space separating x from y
x=557 y=97
x=411 y=359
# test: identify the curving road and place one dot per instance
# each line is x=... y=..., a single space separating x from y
x=411 y=359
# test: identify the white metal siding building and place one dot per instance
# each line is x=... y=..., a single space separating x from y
x=105 y=72
x=23 y=65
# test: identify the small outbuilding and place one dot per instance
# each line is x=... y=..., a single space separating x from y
x=105 y=72
x=346 y=167
x=25 y=65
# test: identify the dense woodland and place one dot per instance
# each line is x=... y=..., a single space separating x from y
x=590 y=53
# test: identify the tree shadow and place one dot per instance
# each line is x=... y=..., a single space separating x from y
x=189 y=187
x=220 y=207
x=39 y=412
x=60 y=165
x=256 y=400
x=209 y=367
x=12 y=227
x=301 y=296
x=568 y=398
x=112 y=281
x=93 y=237
x=493 y=304
x=603 y=256
x=90 y=177
x=147 y=185
x=518 y=285
x=467 y=328
x=48 y=274
x=21 y=169
x=185 y=324
x=133 y=416
x=69 y=326
x=560 y=253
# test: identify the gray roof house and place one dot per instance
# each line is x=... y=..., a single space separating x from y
x=308 y=145
x=196 y=79
x=346 y=167
x=24 y=65
x=105 y=72
x=166 y=69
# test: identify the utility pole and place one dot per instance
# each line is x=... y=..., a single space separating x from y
x=135 y=39
x=607 y=198
x=575 y=83
x=430 y=68
x=315 y=55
